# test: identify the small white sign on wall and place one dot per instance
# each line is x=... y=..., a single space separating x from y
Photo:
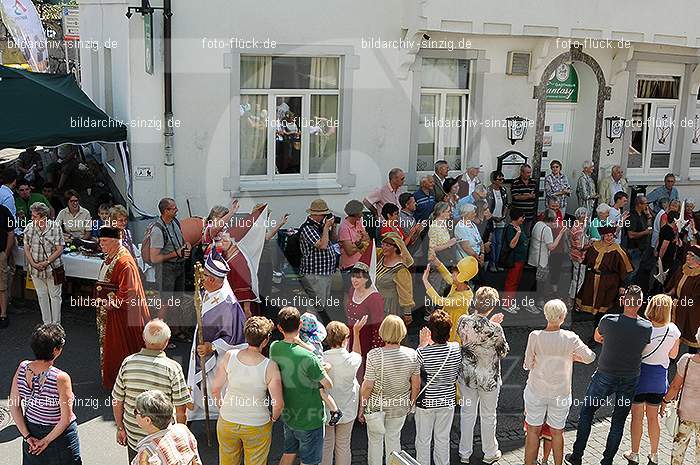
x=143 y=172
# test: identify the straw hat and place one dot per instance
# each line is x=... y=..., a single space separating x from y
x=318 y=207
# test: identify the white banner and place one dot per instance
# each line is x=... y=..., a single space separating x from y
x=23 y=22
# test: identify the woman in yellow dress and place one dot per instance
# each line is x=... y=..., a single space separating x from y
x=457 y=301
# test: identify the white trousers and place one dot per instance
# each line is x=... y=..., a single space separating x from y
x=486 y=402
x=435 y=424
x=337 y=444
x=49 y=296
x=377 y=444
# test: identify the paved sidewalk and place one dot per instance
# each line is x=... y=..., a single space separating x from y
x=596 y=446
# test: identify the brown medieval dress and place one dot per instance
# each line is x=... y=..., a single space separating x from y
x=684 y=286
x=607 y=266
x=121 y=323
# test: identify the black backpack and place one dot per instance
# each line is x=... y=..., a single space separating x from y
x=292 y=250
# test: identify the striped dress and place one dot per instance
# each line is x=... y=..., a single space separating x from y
x=40 y=401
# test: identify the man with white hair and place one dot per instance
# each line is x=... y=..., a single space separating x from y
x=469 y=181
x=611 y=185
x=425 y=198
x=147 y=369
x=585 y=188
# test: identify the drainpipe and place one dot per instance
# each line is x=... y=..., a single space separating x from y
x=169 y=134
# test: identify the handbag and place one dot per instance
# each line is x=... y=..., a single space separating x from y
x=506 y=258
x=671 y=419
x=59 y=272
x=657 y=347
x=375 y=421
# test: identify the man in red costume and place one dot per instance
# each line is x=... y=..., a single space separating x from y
x=122 y=313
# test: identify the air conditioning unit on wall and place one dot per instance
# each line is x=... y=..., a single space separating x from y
x=518 y=63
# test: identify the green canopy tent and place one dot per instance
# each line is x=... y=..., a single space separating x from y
x=50 y=110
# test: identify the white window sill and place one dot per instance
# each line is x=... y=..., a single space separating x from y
x=296 y=187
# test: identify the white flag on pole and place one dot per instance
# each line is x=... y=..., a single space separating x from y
x=22 y=20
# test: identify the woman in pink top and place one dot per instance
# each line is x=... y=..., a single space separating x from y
x=353 y=239
x=549 y=357
x=686 y=385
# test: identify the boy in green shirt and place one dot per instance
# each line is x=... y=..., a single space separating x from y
x=26 y=198
x=304 y=413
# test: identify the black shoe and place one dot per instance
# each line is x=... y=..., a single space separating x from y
x=4 y=322
x=569 y=458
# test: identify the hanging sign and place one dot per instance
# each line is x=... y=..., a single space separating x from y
x=563 y=85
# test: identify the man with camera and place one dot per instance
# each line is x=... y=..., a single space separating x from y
x=169 y=254
x=319 y=260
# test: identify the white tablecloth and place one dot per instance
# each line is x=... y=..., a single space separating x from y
x=78 y=265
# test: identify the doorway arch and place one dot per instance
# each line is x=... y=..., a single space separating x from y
x=575 y=54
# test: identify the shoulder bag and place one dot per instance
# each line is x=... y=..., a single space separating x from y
x=671 y=419
x=375 y=421
x=657 y=347
x=58 y=272
x=430 y=381
x=506 y=259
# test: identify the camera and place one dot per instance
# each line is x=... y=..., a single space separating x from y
x=336 y=219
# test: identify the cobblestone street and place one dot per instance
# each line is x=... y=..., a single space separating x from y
x=96 y=426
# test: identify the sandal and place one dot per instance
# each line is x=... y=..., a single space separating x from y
x=335 y=418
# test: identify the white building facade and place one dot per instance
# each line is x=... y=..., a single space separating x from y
x=285 y=104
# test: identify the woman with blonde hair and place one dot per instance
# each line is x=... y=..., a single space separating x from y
x=389 y=390
x=119 y=218
x=653 y=376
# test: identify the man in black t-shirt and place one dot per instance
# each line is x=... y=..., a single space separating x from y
x=638 y=244
x=7 y=243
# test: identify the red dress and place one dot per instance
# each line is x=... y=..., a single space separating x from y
x=125 y=318
x=373 y=306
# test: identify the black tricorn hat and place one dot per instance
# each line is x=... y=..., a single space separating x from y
x=108 y=232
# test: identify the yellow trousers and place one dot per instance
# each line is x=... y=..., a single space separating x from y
x=250 y=442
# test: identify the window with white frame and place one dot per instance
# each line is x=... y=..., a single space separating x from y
x=654 y=124
x=694 y=129
x=289 y=117
x=444 y=105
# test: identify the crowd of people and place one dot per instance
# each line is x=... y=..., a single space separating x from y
x=427 y=260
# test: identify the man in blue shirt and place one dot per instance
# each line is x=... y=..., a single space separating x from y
x=7 y=194
x=666 y=192
x=425 y=199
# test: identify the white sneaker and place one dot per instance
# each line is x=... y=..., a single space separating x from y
x=464 y=459
x=492 y=460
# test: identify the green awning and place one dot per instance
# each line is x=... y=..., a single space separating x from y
x=50 y=110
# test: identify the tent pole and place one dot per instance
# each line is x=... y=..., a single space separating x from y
x=169 y=133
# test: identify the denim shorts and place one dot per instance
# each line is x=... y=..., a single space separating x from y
x=308 y=445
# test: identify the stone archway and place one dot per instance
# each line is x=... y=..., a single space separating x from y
x=574 y=54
